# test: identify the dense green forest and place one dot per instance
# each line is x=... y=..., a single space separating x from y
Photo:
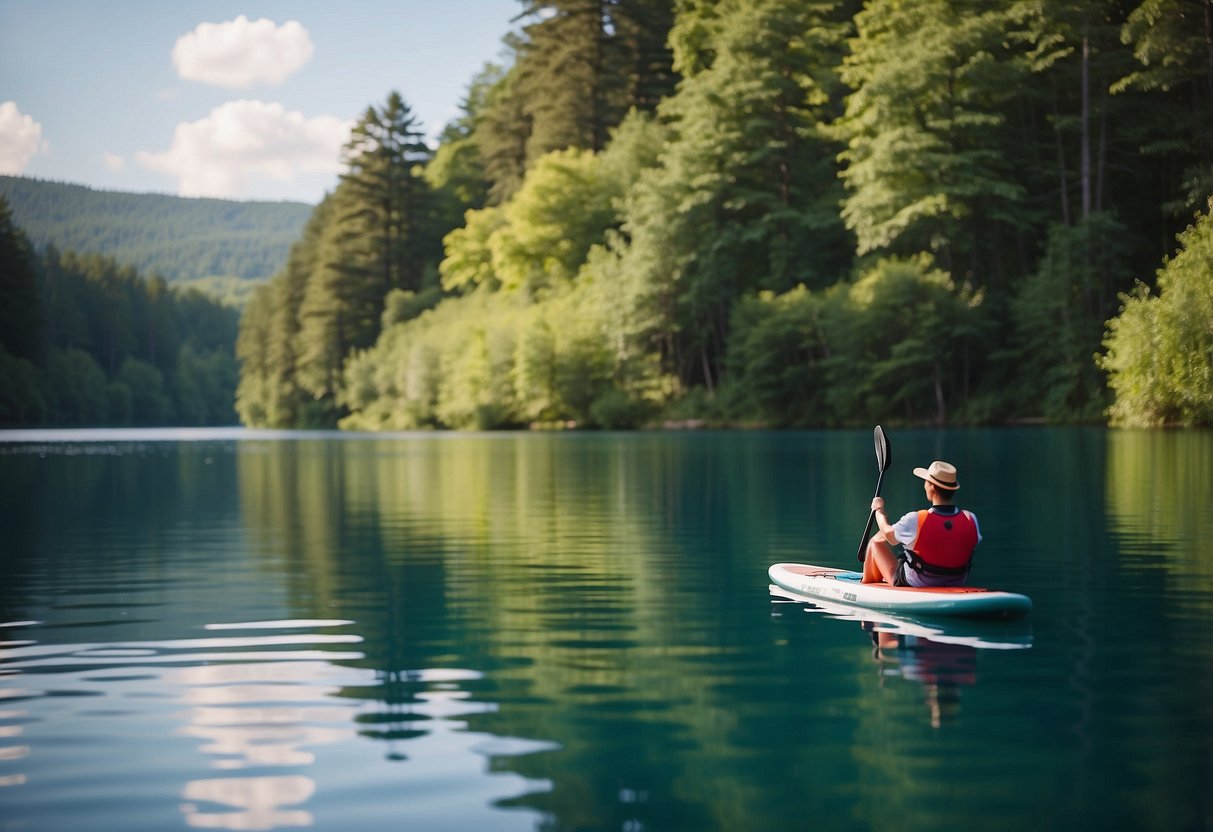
x=87 y=341
x=779 y=212
x=218 y=246
x=770 y=212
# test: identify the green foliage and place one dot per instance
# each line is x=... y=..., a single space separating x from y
x=745 y=197
x=899 y=341
x=21 y=315
x=77 y=388
x=563 y=208
x=584 y=63
x=148 y=399
x=203 y=386
x=501 y=136
x=1159 y=349
x=22 y=392
x=502 y=359
x=1058 y=321
x=924 y=123
x=908 y=342
x=579 y=67
x=376 y=237
x=93 y=343
x=778 y=358
x=1170 y=39
x=177 y=238
x=993 y=173
x=469 y=256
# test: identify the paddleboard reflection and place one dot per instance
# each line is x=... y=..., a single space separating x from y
x=938 y=654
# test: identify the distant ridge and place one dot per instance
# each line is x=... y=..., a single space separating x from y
x=184 y=240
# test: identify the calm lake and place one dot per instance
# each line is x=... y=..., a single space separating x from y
x=253 y=631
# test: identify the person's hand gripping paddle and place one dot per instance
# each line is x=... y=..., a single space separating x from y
x=884 y=458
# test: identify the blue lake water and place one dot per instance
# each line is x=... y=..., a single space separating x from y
x=253 y=631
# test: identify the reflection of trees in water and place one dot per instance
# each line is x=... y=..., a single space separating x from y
x=545 y=564
x=399 y=718
x=1158 y=487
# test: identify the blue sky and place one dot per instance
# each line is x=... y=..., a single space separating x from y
x=136 y=95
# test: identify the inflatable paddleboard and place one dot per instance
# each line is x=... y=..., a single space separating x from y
x=843 y=586
x=986 y=634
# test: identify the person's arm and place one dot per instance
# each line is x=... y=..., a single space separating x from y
x=882 y=521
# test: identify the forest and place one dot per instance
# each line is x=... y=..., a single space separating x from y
x=220 y=246
x=778 y=213
x=86 y=341
x=771 y=212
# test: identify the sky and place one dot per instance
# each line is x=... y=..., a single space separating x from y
x=236 y=100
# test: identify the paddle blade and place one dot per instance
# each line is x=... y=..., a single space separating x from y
x=884 y=453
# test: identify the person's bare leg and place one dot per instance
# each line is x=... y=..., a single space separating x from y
x=880 y=562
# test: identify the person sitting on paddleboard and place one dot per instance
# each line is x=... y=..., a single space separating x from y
x=937 y=543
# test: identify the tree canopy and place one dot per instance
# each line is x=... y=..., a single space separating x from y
x=779 y=212
x=213 y=244
x=786 y=212
x=87 y=341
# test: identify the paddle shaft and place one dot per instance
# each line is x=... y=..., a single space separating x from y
x=884 y=458
x=863 y=541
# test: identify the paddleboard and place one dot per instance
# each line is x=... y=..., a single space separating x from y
x=844 y=586
x=986 y=634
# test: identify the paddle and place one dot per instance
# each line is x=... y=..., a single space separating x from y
x=884 y=458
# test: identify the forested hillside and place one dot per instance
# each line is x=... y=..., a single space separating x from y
x=785 y=212
x=181 y=240
x=85 y=341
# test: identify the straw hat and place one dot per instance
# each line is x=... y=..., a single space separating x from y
x=940 y=474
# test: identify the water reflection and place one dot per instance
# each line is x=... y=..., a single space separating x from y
x=249 y=803
x=942 y=669
x=264 y=704
x=1158 y=489
x=940 y=655
x=573 y=632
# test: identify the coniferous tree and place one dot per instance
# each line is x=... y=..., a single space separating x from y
x=563 y=75
x=644 y=56
x=270 y=392
x=379 y=237
x=21 y=314
x=386 y=202
x=501 y=137
x=579 y=66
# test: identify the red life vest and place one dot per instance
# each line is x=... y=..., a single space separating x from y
x=944 y=544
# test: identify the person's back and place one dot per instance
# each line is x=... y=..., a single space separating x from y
x=937 y=543
x=942 y=548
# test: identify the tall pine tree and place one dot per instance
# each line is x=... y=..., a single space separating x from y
x=579 y=67
x=381 y=238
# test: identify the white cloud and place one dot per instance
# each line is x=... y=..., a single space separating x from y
x=20 y=139
x=244 y=142
x=113 y=162
x=240 y=52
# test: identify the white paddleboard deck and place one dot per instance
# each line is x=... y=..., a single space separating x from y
x=844 y=586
